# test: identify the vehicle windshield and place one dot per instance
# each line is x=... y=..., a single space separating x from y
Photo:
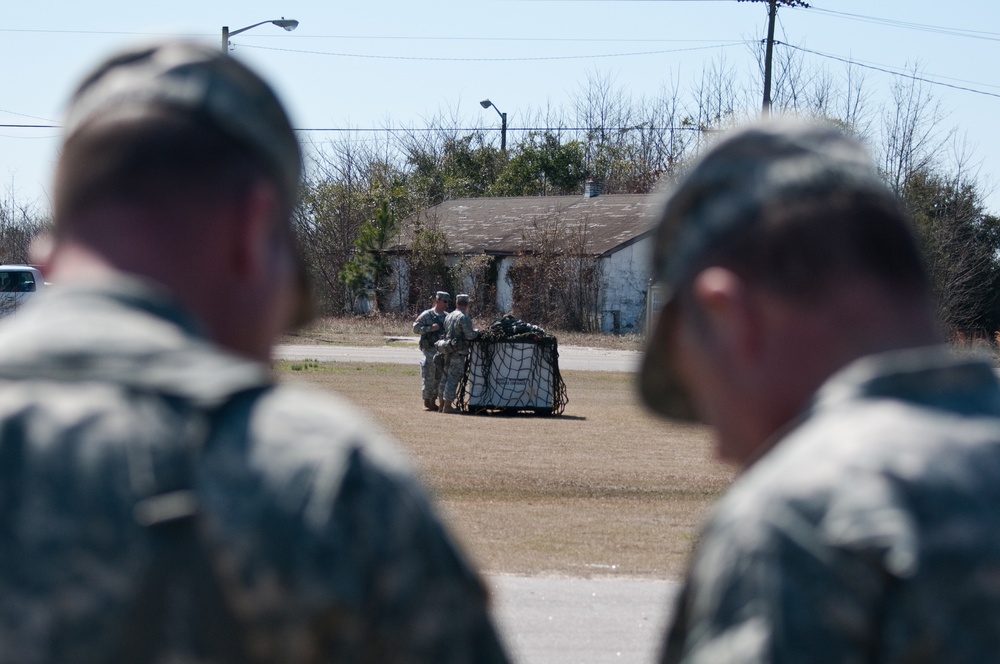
x=17 y=282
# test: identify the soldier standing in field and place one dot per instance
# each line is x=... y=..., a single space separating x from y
x=430 y=326
x=458 y=332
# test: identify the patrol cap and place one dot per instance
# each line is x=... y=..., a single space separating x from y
x=725 y=192
x=462 y=298
x=191 y=78
x=443 y=296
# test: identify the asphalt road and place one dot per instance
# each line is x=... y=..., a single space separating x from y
x=571 y=358
x=558 y=620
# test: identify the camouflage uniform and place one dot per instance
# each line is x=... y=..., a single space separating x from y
x=429 y=374
x=870 y=533
x=457 y=327
x=325 y=546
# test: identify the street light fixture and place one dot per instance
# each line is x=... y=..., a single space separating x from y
x=486 y=103
x=286 y=23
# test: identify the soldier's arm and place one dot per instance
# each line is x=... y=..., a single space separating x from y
x=424 y=603
x=423 y=324
x=761 y=591
x=468 y=331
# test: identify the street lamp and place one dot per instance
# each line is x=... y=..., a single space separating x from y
x=486 y=103
x=286 y=23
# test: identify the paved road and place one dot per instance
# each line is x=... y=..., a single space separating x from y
x=571 y=358
x=546 y=620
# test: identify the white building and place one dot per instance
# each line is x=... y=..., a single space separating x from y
x=613 y=231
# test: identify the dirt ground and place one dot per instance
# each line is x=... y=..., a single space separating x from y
x=605 y=489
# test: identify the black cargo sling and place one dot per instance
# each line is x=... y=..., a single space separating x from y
x=181 y=560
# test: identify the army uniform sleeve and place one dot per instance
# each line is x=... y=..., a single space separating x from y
x=423 y=323
x=423 y=602
x=467 y=330
x=774 y=587
x=356 y=565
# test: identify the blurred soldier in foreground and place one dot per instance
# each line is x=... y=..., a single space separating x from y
x=160 y=498
x=799 y=324
x=430 y=326
x=458 y=332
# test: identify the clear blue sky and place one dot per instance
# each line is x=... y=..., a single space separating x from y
x=387 y=62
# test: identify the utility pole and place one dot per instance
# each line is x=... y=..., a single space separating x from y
x=772 y=12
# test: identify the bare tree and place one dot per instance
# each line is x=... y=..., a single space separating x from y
x=21 y=223
x=911 y=135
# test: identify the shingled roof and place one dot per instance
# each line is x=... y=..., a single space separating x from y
x=505 y=226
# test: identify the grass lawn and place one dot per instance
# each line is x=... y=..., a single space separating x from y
x=374 y=330
x=605 y=489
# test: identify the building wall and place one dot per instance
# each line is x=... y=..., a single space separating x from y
x=505 y=290
x=624 y=282
x=401 y=277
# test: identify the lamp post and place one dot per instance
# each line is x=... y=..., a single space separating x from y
x=486 y=103
x=288 y=24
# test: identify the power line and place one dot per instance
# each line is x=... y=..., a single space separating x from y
x=378 y=37
x=656 y=40
x=513 y=59
x=886 y=70
x=25 y=115
x=922 y=27
x=394 y=130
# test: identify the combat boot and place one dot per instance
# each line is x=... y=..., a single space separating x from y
x=429 y=404
x=448 y=408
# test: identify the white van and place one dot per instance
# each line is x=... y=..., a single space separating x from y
x=18 y=284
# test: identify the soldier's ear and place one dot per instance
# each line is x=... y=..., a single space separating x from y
x=254 y=218
x=727 y=310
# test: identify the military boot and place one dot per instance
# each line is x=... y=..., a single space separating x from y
x=429 y=404
x=448 y=408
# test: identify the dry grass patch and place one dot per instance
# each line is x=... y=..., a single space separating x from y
x=604 y=489
x=374 y=331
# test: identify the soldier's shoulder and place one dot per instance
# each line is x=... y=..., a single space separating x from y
x=297 y=426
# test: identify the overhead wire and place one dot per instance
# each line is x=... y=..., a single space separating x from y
x=887 y=70
x=959 y=32
x=492 y=59
x=922 y=27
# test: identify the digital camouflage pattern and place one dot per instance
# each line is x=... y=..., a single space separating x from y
x=326 y=547
x=430 y=376
x=459 y=331
x=870 y=533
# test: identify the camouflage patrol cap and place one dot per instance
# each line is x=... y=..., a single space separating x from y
x=194 y=79
x=725 y=192
x=462 y=298
x=443 y=296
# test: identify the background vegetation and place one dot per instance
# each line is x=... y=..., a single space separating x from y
x=363 y=191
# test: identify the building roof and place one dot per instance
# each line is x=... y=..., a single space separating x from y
x=513 y=225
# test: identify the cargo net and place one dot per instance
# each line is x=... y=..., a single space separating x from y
x=513 y=367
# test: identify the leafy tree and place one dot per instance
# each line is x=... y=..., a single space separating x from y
x=350 y=182
x=542 y=166
x=368 y=271
x=962 y=248
x=428 y=268
x=455 y=167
